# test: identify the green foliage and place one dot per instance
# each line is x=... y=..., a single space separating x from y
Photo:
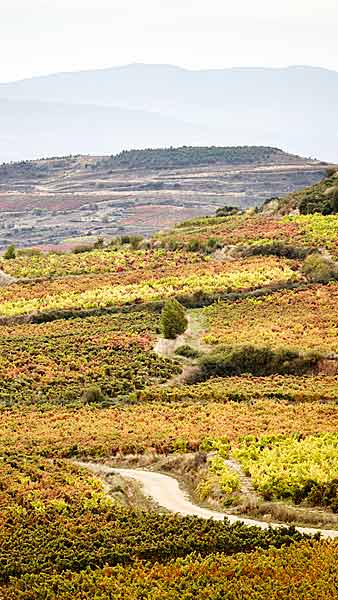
x=10 y=253
x=173 y=320
x=57 y=520
x=320 y=269
x=81 y=248
x=94 y=395
x=99 y=244
x=226 y=361
x=321 y=198
x=83 y=360
x=293 y=467
x=227 y=211
x=331 y=171
x=334 y=201
x=29 y=252
x=188 y=156
x=228 y=480
x=275 y=248
x=133 y=240
x=187 y=351
x=302 y=571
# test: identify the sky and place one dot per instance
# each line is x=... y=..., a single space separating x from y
x=38 y=37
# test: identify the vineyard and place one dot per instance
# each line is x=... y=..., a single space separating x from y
x=303 y=319
x=292 y=467
x=63 y=294
x=87 y=374
x=312 y=231
x=154 y=428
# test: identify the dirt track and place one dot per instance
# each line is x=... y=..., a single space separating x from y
x=166 y=492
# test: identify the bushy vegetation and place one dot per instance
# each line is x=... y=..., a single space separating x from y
x=320 y=269
x=158 y=426
x=275 y=248
x=93 y=360
x=142 y=285
x=227 y=361
x=187 y=351
x=303 y=469
x=173 y=320
x=320 y=198
x=10 y=253
x=189 y=156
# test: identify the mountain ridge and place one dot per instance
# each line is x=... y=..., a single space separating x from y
x=291 y=107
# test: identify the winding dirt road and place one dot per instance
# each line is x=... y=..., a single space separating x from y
x=166 y=492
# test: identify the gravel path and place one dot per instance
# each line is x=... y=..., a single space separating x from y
x=166 y=492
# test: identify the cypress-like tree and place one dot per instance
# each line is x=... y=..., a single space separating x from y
x=173 y=320
x=10 y=252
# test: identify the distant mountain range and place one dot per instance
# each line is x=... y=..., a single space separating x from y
x=139 y=106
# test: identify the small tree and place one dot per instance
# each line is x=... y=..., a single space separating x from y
x=173 y=320
x=10 y=252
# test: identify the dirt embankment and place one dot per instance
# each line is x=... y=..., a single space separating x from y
x=6 y=279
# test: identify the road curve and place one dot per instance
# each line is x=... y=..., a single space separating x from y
x=166 y=492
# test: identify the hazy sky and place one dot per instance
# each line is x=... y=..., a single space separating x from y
x=45 y=36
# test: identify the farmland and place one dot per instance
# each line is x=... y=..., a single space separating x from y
x=305 y=319
x=102 y=292
x=87 y=375
x=50 y=201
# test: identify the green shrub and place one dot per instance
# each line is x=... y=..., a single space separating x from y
x=276 y=248
x=29 y=252
x=99 y=243
x=227 y=211
x=194 y=246
x=227 y=361
x=213 y=244
x=187 y=351
x=173 y=320
x=334 y=201
x=10 y=252
x=320 y=269
x=82 y=248
x=94 y=395
x=320 y=494
x=133 y=240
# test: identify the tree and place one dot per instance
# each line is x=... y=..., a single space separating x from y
x=10 y=252
x=173 y=320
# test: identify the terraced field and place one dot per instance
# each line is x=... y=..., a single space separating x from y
x=84 y=376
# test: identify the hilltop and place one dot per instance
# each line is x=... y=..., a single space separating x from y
x=140 y=191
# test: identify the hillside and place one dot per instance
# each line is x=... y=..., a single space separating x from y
x=224 y=407
x=240 y=408
x=321 y=198
x=142 y=191
x=93 y=111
